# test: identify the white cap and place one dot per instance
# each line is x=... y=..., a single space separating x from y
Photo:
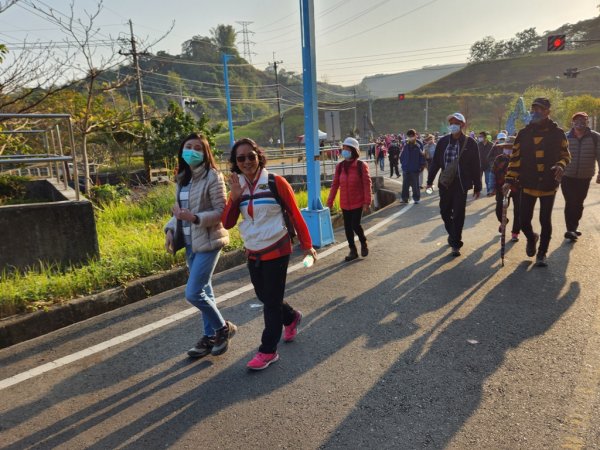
x=457 y=116
x=501 y=136
x=351 y=142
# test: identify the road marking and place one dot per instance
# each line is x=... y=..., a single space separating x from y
x=28 y=374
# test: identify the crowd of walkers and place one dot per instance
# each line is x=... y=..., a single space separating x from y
x=529 y=166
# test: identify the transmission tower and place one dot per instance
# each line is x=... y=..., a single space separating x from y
x=246 y=40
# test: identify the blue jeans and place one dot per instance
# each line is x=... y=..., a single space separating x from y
x=198 y=290
x=490 y=181
x=410 y=180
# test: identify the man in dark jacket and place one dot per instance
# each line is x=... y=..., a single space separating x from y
x=585 y=152
x=413 y=162
x=394 y=158
x=484 y=146
x=538 y=160
x=453 y=199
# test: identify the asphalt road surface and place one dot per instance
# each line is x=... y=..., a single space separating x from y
x=407 y=348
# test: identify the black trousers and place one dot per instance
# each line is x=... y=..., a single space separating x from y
x=394 y=166
x=453 y=202
x=268 y=279
x=515 y=199
x=546 y=205
x=352 y=225
x=575 y=191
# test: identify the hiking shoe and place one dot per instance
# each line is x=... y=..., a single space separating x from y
x=364 y=250
x=202 y=348
x=222 y=338
x=540 y=260
x=290 y=331
x=531 y=243
x=577 y=232
x=262 y=360
x=515 y=237
x=455 y=251
x=352 y=255
x=571 y=235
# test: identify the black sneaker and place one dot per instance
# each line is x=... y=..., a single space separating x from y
x=202 y=348
x=572 y=235
x=531 y=243
x=455 y=251
x=352 y=255
x=578 y=233
x=540 y=260
x=364 y=250
x=222 y=338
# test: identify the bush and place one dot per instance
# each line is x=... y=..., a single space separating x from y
x=12 y=188
x=107 y=194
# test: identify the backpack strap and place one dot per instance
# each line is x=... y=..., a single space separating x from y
x=286 y=217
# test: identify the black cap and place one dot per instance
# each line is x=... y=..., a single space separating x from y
x=541 y=101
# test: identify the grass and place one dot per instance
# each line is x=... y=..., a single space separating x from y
x=131 y=240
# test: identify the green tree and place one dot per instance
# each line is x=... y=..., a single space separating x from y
x=223 y=37
x=485 y=50
x=167 y=133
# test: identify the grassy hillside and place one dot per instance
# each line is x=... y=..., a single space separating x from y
x=516 y=74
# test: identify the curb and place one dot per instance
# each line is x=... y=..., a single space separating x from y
x=30 y=325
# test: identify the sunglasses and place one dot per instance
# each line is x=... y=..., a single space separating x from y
x=250 y=156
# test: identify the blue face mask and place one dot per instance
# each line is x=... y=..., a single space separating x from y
x=454 y=128
x=346 y=154
x=192 y=157
x=535 y=117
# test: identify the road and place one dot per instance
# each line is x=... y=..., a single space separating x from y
x=407 y=348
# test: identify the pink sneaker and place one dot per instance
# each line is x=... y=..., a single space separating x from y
x=262 y=360
x=290 y=331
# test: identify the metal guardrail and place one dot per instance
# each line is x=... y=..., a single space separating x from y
x=48 y=157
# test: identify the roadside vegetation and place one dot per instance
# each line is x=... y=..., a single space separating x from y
x=131 y=239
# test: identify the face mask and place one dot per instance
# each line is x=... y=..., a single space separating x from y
x=480 y=139
x=580 y=124
x=346 y=154
x=454 y=128
x=535 y=117
x=192 y=157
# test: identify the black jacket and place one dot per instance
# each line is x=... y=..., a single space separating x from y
x=469 y=175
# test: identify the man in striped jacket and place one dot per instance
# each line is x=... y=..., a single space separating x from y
x=585 y=153
x=537 y=163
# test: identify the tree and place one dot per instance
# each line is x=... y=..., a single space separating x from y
x=167 y=133
x=484 y=50
x=223 y=37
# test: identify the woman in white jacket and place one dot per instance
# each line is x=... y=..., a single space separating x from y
x=196 y=226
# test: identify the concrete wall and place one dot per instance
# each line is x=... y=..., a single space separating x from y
x=59 y=232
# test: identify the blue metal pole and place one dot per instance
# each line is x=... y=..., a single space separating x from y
x=228 y=98
x=318 y=219
x=311 y=122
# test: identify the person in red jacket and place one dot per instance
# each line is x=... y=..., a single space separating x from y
x=354 y=183
x=267 y=241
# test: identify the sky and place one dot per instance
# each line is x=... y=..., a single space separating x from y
x=353 y=39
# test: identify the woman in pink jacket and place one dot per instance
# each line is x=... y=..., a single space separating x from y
x=354 y=182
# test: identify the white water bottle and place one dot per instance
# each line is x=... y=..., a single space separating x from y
x=308 y=261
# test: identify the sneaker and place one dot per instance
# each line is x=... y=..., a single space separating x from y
x=404 y=201
x=571 y=235
x=352 y=255
x=416 y=202
x=222 y=338
x=262 y=360
x=290 y=331
x=531 y=243
x=515 y=237
x=202 y=348
x=455 y=251
x=364 y=250
x=578 y=233
x=540 y=260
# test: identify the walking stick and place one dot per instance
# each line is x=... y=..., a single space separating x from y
x=505 y=203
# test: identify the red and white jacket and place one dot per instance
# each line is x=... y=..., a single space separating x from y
x=262 y=227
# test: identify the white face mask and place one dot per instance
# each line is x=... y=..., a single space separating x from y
x=453 y=128
x=480 y=139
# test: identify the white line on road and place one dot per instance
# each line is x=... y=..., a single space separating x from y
x=28 y=374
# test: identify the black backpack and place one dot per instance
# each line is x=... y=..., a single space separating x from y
x=286 y=217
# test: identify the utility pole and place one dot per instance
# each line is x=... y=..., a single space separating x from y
x=355 y=111
x=281 y=134
x=228 y=99
x=426 y=113
x=138 y=76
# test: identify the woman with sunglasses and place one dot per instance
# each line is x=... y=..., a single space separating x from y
x=196 y=226
x=267 y=242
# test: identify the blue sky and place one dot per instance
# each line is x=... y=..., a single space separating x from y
x=354 y=38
